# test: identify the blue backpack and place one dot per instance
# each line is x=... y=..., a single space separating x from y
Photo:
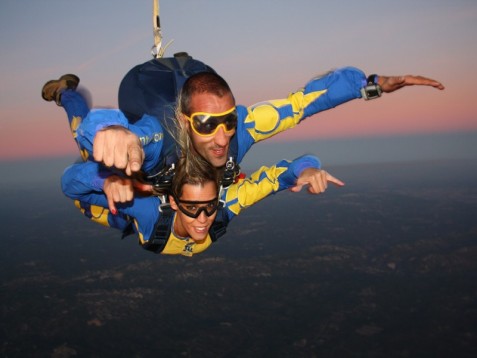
x=152 y=87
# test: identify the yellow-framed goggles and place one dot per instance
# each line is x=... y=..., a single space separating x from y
x=207 y=124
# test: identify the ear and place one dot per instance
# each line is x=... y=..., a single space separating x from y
x=173 y=203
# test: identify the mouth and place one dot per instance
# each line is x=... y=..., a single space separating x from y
x=201 y=229
x=219 y=152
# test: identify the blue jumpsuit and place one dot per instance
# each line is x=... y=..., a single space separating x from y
x=82 y=183
x=255 y=123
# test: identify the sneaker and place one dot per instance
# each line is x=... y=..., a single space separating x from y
x=52 y=89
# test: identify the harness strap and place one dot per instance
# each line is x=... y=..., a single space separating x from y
x=162 y=180
x=162 y=231
x=217 y=230
x=219 y=227
x=232 y=169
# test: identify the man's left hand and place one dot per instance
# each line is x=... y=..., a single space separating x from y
x=393 y=83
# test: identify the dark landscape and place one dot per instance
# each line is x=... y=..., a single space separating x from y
x=384 y=267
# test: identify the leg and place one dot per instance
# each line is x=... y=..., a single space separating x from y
x=63 y=92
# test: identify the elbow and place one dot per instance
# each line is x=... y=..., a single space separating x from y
x=65 y=182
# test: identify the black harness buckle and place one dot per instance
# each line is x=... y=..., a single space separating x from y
x=162 y=181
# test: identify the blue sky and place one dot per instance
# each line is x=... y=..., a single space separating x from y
x=264 y=49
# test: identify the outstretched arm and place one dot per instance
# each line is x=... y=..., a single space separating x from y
x=303 y=171
x=265 y=119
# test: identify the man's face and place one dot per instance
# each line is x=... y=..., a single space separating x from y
x=195 y=228
x=213 y=148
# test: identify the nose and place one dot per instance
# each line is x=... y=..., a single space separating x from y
x=220 y=138
x=202 y=218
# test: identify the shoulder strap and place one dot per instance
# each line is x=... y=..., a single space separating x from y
x=162 y=231
x=219 y=227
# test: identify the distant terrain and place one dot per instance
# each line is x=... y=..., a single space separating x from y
x=384 y=267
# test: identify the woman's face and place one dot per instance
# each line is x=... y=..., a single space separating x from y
x=195 y=228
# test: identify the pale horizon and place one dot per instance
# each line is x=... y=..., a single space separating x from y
x=263 y=49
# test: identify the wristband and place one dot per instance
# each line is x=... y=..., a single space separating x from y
x=372 y=89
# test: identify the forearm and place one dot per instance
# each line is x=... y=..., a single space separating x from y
x=337 y=87
x=266 y=181
x=81 y=180
x=265 y=119
x=148 y=131
x=84 y=182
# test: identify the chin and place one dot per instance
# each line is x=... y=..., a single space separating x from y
x=219 y=163
x=215 y=162
x=198 y=239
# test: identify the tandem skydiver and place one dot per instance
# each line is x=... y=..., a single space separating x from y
x=219 y=131
x=179 y=227
x=206 y=101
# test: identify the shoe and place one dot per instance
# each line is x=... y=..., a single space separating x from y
x=52 y=89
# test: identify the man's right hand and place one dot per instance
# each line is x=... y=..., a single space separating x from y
x=118 y=147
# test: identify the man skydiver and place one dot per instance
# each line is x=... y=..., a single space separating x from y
x=218 y=129
x=207 y=105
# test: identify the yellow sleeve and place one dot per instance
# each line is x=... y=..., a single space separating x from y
x=265 y=119
x=259 y=185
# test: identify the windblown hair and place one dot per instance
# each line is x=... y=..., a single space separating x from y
x=193 y=169
x=202 y=82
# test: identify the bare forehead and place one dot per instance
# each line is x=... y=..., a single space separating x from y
x=211 y=103
x=198 y=192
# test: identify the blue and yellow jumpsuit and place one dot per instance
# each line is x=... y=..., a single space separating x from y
x=82 y=182
x=255 y=123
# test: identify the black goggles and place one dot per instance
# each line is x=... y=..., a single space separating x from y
x=193 y=208
x=207 y=124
